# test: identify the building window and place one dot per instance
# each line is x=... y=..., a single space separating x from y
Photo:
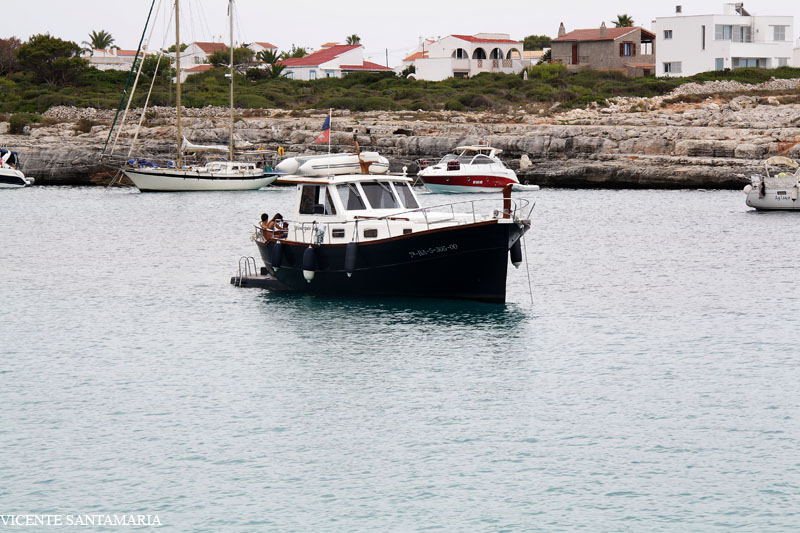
x=667 y=34
x=779 y=33
x=742 y=34
x=783 y=61
x=290 y=75
x=479 y=53
x=646 y=48
x=312 y=75
x=672 y=68
x=627 y=49
x=703 y=37
x=752 y=62
x=719 y=63
x=460 y=53
x=723 y=32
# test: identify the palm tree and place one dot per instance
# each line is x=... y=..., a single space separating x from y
x=353 y=39
x=99 y=40
x=623 y=21
x=268 y=56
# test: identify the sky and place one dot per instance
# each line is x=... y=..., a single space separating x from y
x=390 y=28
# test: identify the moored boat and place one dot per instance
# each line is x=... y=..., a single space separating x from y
x=469 y=169
x=11 y=177
x=366 y=235
x=777 y=191
x=333 y=164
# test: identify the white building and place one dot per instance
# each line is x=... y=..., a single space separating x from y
x=261 y=46
x=689 y=44
x=462 y=56
x=332 y=61
x=113 y=59
x=797 y=55
x=198 y=53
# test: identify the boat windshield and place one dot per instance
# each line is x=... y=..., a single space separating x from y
x=406 y=195
x=351 y=198
x=380 y=195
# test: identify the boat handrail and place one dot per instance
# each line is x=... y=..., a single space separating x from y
x=518 y=206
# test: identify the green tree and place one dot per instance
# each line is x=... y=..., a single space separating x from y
x=8 y=55
x=164 y=70
x=536 y=42
x=546 y=57
x=353 y=39
x=294 y=52
x=99 y=40
x=53 y=60
x=270 y=57
x=274 y=68
x=623 y=21
x=171 y=49
x=241 y=56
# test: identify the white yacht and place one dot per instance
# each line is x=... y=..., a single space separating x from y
x=11 y=177
x=469 y=169
x=776 y=191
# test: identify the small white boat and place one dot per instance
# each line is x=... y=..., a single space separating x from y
x=333 y=164
x=777 y=191
x=470 y=169
x=11 y=177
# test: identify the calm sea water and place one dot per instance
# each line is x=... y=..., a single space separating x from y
x=647 y=379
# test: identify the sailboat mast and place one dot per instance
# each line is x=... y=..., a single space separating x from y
x=178 y=79
x=230 y=17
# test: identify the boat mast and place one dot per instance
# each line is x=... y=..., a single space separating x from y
x=178 y=79
x=230 y=17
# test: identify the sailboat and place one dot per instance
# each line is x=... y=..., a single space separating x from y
x=227 y=175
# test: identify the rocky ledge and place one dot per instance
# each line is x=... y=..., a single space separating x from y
x=708 y=136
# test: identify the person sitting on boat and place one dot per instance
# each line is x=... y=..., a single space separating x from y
x=265 y=230
x=277 y=227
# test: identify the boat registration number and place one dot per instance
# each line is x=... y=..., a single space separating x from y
x=433 y=250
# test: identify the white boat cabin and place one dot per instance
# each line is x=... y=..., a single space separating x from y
x=474 y=155
x=340 y=209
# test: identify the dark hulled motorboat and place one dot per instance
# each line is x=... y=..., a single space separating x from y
x=366 y=235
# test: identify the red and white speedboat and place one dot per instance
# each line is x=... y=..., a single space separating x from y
x=469 y=169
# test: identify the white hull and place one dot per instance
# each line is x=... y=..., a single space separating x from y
x=772 y=201
x=333 y=165
x=11 y=178
x=189 y=180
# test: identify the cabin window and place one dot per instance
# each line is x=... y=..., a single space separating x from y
x=330 y=208
x=482 y=160
x=308 y=199
x=380 y=195
x=406 y=195
x=370 y=233
x=337 y=233
x=351 y=198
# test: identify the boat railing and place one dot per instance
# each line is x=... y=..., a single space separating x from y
x=321 y=232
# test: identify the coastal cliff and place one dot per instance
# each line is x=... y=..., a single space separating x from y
x=708 y=136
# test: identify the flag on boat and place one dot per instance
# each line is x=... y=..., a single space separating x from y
x=325 y=136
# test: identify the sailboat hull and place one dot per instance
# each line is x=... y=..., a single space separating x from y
x=192 y=180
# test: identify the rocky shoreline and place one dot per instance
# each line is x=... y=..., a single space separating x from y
x=699 y=136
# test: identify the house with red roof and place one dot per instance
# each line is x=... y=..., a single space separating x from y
x=261 y=46
x=198 y=53
x=629 y=49
x=332 y=61
x=462 y=56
